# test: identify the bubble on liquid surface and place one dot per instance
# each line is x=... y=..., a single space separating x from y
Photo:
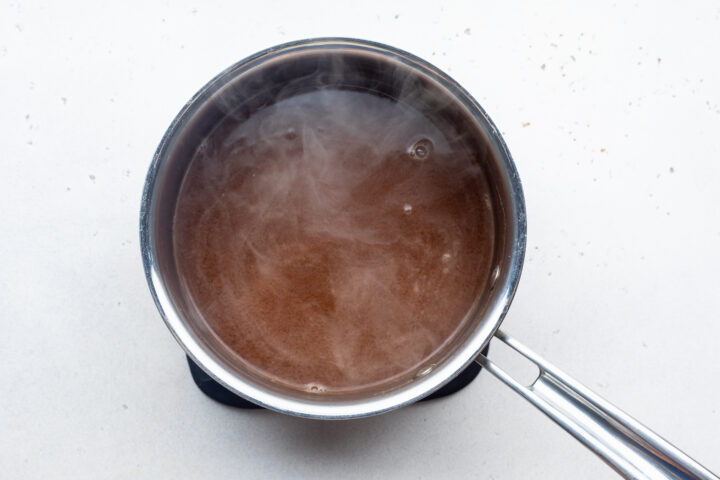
x=421 y=149
x=426 y=370
x=488 y=204
x=407 y=208
x=290 y=134
x=314 y=388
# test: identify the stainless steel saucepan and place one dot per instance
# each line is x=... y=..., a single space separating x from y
x=630 y=448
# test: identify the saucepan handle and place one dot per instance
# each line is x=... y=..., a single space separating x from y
x=630 y=448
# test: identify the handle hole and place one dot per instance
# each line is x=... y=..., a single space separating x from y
x=518 y=367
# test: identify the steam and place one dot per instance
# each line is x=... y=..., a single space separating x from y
x=337 y=236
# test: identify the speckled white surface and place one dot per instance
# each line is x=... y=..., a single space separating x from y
x=612 y=112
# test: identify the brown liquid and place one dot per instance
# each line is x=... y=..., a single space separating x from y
x=335 y=240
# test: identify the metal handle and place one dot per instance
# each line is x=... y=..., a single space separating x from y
x=630 y=448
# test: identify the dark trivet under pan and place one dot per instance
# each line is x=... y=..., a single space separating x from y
x=221 y=394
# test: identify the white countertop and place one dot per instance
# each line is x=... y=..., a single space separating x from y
x=612 y=113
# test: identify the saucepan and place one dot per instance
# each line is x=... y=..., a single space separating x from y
x=629 y=447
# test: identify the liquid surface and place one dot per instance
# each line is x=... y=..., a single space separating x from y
x=335 y=241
